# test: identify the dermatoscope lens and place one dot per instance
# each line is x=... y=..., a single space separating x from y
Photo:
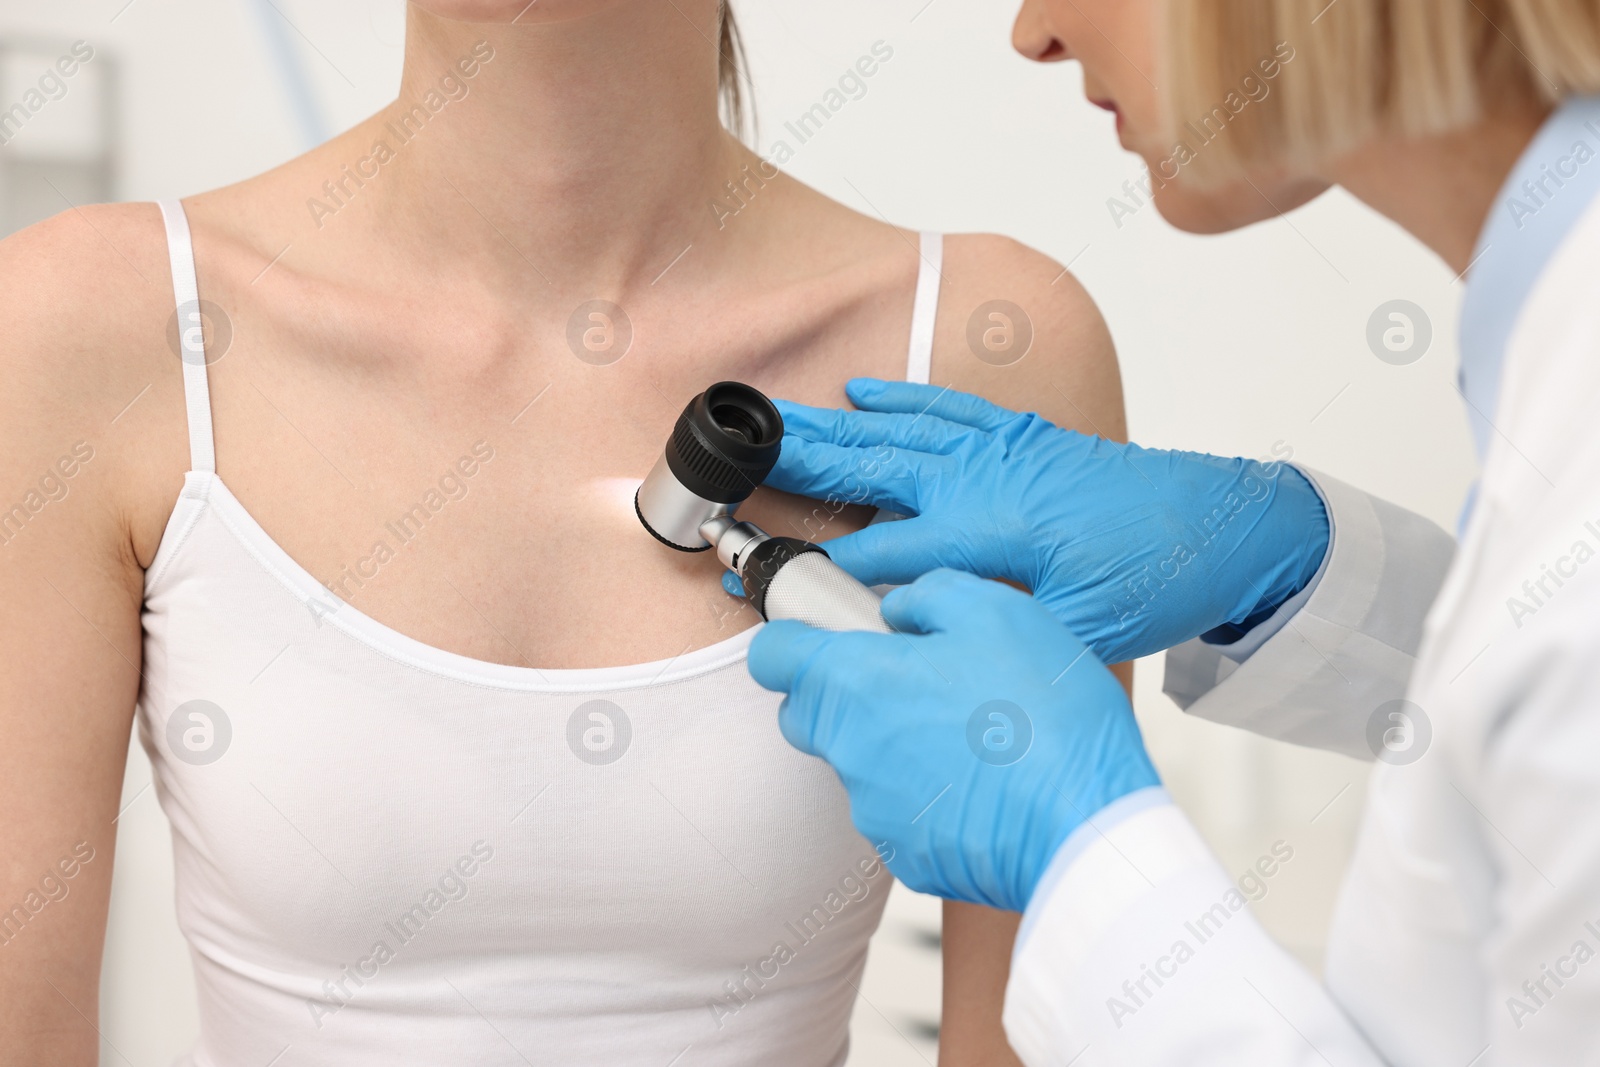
x=738 y=423
x=724 y=445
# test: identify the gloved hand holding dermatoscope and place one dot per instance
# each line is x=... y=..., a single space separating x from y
x=724 y=445
x=1134 y=549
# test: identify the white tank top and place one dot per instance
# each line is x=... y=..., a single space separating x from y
x=392 y=854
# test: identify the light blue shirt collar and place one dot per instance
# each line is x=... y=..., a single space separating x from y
x=1553 y=183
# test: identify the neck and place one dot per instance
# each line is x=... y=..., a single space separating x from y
x=589 y=144
x=1441 y=189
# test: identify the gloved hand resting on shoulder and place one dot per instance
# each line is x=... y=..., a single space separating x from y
x=1134 y=549
x=972 y=742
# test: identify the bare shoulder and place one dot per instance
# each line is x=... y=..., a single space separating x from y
x=1016 y=327
x=82 y=294
x=87 y=298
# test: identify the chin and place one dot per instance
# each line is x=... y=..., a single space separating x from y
x=1232 y=207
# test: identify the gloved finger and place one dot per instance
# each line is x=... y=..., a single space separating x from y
x=854 y=475
x=731 y=583
x=945 y=599
x=896 y=553
x=797 y=722
x=872 y=429
x=781 y=650
x=871 y=394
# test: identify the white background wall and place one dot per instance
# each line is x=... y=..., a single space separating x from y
x=1228 y=344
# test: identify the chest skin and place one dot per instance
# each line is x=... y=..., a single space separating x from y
x=467 y=479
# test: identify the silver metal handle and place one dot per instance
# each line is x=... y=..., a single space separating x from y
x=818 y=592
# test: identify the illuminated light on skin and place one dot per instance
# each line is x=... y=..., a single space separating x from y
x=616 y=493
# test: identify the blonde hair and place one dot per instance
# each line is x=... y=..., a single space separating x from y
x=1294 y=82
x=733 y=76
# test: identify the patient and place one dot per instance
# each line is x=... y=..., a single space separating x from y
x=461 y=765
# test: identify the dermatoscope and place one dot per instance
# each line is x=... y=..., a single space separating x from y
x=724 y=445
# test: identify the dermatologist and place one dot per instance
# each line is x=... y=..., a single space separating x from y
x=992 y=757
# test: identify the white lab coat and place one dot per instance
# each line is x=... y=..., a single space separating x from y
x=1468 y=928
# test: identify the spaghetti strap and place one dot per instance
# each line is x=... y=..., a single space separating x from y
x=191 y=336
x=925 y=309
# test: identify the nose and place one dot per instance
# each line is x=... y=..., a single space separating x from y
x=1033 y=37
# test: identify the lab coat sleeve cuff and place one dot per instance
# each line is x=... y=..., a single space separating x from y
x=1105 y=873
x=1342 y=649
x=1137 y=949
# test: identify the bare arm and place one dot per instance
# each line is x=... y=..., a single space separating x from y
x=70 y=593
x=1016 y=328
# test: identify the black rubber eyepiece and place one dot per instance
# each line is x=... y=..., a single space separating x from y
x=726 y=442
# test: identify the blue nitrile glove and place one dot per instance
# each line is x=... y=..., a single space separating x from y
x=972 y=742
x=1135 y=549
